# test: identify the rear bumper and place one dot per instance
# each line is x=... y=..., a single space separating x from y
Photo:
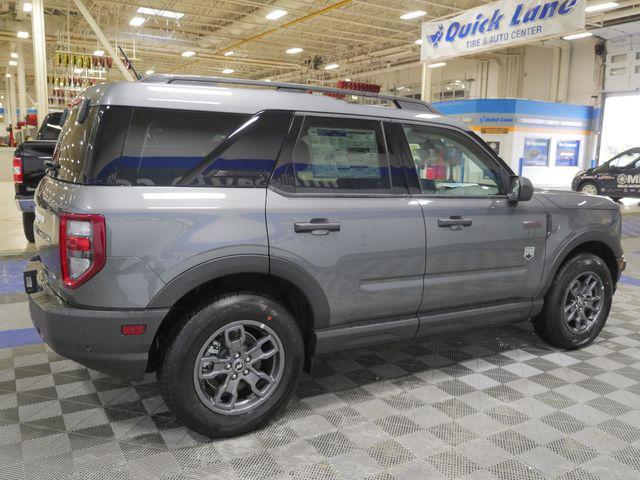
x=93 y=337
x=25 y=204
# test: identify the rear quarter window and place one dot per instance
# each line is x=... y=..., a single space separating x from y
x=74 y=144
x=161 y=146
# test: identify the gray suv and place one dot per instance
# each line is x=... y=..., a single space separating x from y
x=223 y=232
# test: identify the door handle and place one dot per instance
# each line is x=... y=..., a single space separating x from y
x=317 y=226
x=455 y=222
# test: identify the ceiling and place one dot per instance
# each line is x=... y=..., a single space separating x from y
x=361 y=36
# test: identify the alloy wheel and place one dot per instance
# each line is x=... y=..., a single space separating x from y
x=238 y=367
x=583 y=302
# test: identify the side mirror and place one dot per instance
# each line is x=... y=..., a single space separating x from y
x=521 y=189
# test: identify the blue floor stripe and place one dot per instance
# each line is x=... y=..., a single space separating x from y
x=11 y=275
x=630 y=281
x=15 y=338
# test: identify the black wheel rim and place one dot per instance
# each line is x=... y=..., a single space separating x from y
x=238 y=367
x=583 y=302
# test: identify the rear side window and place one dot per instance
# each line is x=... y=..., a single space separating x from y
x=341 y=155
x=247 y=156
x=163 y=145
x=74 y=144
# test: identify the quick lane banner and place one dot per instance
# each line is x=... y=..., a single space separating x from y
x=500 y=24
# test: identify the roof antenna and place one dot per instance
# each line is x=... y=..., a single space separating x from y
x=138 y=77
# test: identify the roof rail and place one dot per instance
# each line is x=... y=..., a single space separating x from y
x=399 y=102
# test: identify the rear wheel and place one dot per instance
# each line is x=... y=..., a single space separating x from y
x=577 y=305
x=590 y=188
x=27 y=224
x=233 y=365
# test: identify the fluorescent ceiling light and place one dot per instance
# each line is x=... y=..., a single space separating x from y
x=601 y=6
x=188 y=53
x=14 y=55
x=98 y=53
x=27 y=7
x=160 y=13
x=227 y=71
x=418 y=41
x=13 y=63
x=437 y=65
x=149 y=72
x=136 y=21
x=294 y=50
x=412 y=15
x=576 y=36
x=275 y=14
x=331 y=66
x=23 y=34
x=229 y=53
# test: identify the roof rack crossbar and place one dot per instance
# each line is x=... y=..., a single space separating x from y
x=399 y=102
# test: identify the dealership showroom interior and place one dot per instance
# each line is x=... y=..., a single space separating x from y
x=319 y=239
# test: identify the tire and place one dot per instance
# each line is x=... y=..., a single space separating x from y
x=185 y=393
x=27 y=224
x=590 y=187
x=553 y=325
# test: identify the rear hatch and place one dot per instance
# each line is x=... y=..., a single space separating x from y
x=57 y=191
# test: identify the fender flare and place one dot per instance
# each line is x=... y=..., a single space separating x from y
x=179 y=286
x=601 y=236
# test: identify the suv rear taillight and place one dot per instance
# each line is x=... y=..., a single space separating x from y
x=18 y=172
x=82 y=247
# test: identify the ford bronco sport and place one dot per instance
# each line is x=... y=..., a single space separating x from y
x=221 y=233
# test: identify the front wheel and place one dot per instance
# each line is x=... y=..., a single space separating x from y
x=232 y=365
x=590 y=188
x=577 y=305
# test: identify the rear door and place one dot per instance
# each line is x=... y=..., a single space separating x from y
x=481 y=250
x=338 y=208
x=627 y=178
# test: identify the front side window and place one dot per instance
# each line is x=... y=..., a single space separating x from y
x=625 y=160
x=341 y=155
x=449 y=165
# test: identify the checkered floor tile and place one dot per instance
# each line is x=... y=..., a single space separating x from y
x=492 y=404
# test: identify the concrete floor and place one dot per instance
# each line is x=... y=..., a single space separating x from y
x=12 y=241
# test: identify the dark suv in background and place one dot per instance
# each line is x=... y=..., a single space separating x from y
x=29 y=165
x=222 y=232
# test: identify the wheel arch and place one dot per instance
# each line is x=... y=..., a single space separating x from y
x=279 y=279
x=585 y=181
x=595 y=242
